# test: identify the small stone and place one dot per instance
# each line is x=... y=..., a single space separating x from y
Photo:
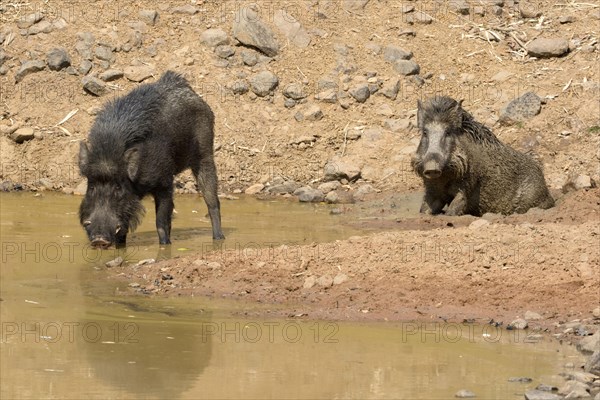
x=529 y=10
x=138 y=73
x=518 y=323
x=546 y=388
x=464 y=394
x=589 y=344
x=294 y=91
x=325 y=281
x=291 y=28
x=28 y=20
x=340 y=278
x=406 y=67
x=422 y=18
x=394 y=53
x=94 y=86
x=593 y=363
x=41 y=27
x=478 y=224
x=362 y=192
x=214 y=37
x=532 y=316
x=22 y=134
x=339 y=197
x=149 y=16
x=596 y=312
x=249 y=30
x=58 y=59
x=240 y=86
x=574 y=390
x=114 y=263
x=391 y=89
x=111 y=75
x=360 y=93
x=520 y=109
x=104 y=53
x=520 y=379
x=263 y=83
x=329 y=186
x=548 y=47
x=396 y=125
x=566 y=19
x=224 y=51
x=85 y=67
x=188 y=9
x=327 y=96
x=310 y=282
x=254 y=189
x=541 y=395
x=306 y=194
x=283 y=188
x=337 y=169
x=310 y=113
x=460 y=6
x=29 y=67
x=249 y=57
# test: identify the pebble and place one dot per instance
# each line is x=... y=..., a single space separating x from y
x=29 y=67
x=520 y=379
x=263 y=83
x=254 y=189
x=520 y=109
x=360 y=93
x=58 y=59
x=188 y=9
x=111 y=75
x=311 y=113
x=22 y=134
x=224 y=51
x=114 y=263
x=94 y=86
x=149 y=16
x=478 y=224
x=325 y=281
x=518 y=323
x=138 y=73
x=310 y=282
x=548 y=47
x=406 y=67
x=394 y=53
x=336 y=169
x=249 y=30
x=240 y=86
x=340 y=278
x=104 y=53
x=306 y=194
x=532 y=316
x=294 y=91
x=541 y=395
x=464 y=394
x=214 y=37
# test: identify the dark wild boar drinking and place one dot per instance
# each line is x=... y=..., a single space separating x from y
x=136 y=146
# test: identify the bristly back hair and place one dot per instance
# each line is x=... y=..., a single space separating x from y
x=443 y=105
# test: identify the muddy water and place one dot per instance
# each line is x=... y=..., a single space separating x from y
x=66 y=333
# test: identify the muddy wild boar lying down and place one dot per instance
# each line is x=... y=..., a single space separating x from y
x=136 y=146
x=465 y=166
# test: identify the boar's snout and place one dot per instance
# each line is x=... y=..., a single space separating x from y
x=432 y=170
x=99 y=242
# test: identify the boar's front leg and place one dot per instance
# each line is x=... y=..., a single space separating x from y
x=433 y=202
x=458 y=205
x=163 y=200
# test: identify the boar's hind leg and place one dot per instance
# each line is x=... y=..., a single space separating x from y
x=206 y=175
x=163 y=200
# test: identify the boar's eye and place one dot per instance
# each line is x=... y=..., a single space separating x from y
x=425 y=132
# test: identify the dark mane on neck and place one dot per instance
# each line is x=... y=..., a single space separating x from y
x=477 y=131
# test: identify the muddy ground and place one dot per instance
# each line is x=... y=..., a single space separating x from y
x=426 y=268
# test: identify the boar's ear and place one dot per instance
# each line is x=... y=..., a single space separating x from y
x=419 y=114
x=458 y=111
x=132 y=159
x=83 y=157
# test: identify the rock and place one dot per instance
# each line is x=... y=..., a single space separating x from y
x=520 y=109
x=294 y=91
x=546 y=388
x=224 y=51
x=310 y=282
x=28 y=20
x=574 y=390
x=394 y=53
x=138 y=73
x=596 y=312
x=249 y=57
x=114 y=263
x=94 y=86
x=329 y=186
x=578 y=182
x=362 y=192
x=354 y=5
x=214 y=37
x=325 y=281
x=518 y=323
x=339 y=197
x=104 y=53
x=249 y=30
x=85 y=67
x=337 y=169
x=263 y=83
x=464 y=394
x=529 y=10
x=22 y=134
x=422 y=18
x=478 y=224
x=589 y=344
x=240 y=86
x=149 y=16
x=29 y=67
x=188 y=9
x=111 y=75
x=283 y=188
x=532 y=316
x=546 y=48
x=460 y=7
x=41 y=27
x=541 y=395
x=581 y=376
x=58 y=59
x=593 y=363
x=396 y=125
x=360 y=93
x=303 y=139
x=520 y=379
x=340 y=278
x=327 y=96
x=311 y=113
x=406 y=67
x=390 y=89
x=291 y=28
x=566 y=19
x=306 y=194
x=254 y=189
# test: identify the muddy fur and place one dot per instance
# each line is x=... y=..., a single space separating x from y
x=479 y=174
